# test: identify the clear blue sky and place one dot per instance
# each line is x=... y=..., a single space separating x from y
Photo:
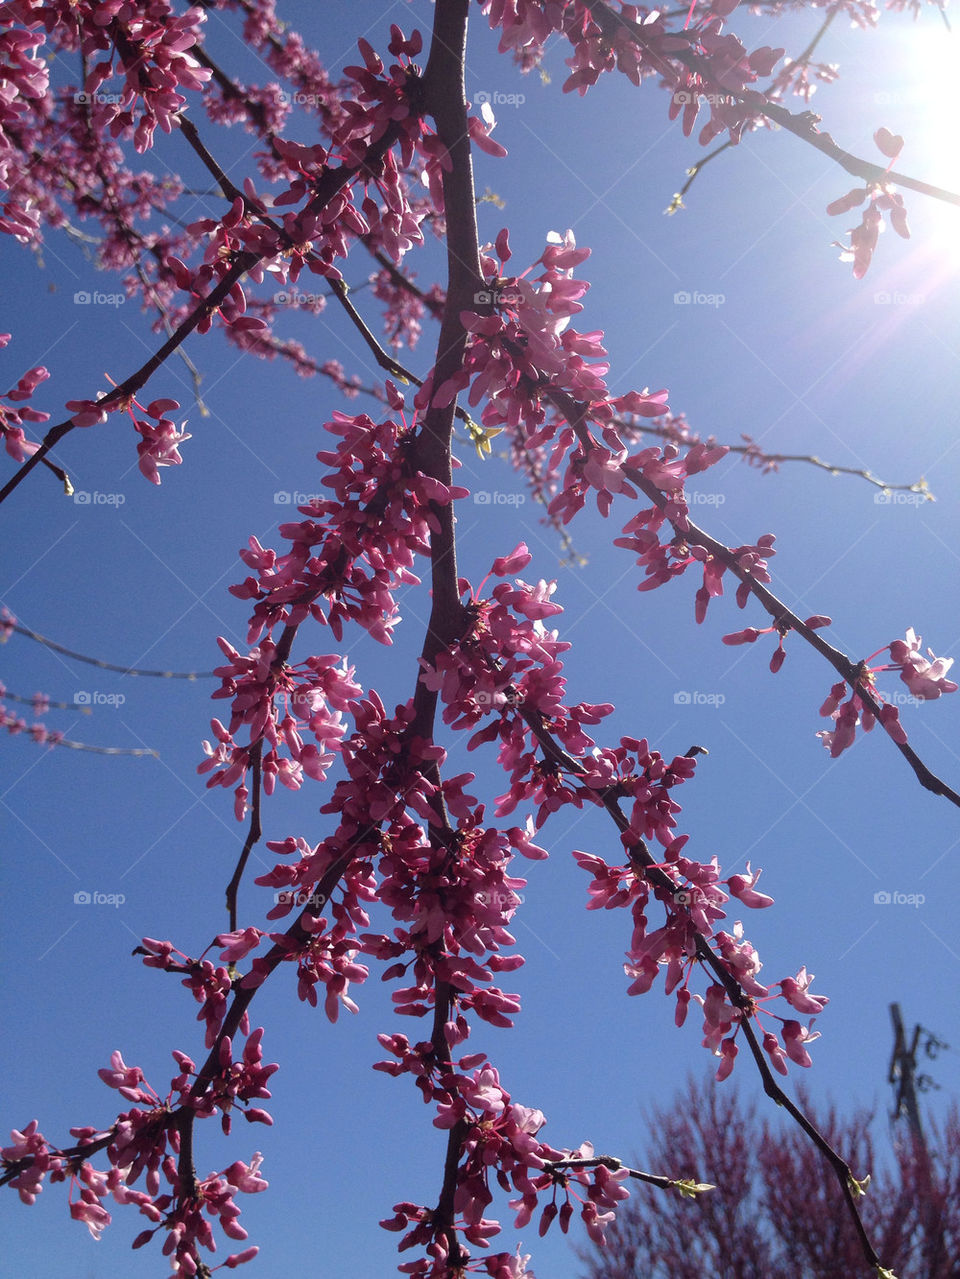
x=799 y=355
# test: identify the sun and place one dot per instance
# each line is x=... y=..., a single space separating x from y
x=907 y=86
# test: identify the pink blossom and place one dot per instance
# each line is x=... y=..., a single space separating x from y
x=795 y=992
x=742 y=887
x=795 y=1037
x=238 y=944
x=925 y=679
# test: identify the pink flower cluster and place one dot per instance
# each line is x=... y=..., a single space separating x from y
x=159 y=439
x=521 y=345
x=926 y=680
x=359 y=545
x=24 y=86
x=882 y=199
x=497 y=1134
x=640 y=45
x=274 y=703
x=694 y=901
x=663 y=561
x=146 y=1141
x=750 y=635
x=452 y=903
x=15 y=412
x=151 y=44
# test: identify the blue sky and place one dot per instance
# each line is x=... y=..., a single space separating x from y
x=799 y=355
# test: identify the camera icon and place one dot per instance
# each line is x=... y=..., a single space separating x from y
x=882 y=499
x=81 y=298
x=683 y=897
x=682 y=98
x=81 y=899
x=681 y=298
x=480 y=97
x=881 y=899
x=281 y=299
x=282 y=498
x=682 y=698
x=81 y=498
x=483 y=297
x=481 y=498
x=82 y=99
x=81 y=699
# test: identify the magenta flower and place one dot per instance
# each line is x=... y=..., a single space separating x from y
x=742 y=887
x=795 y=992
x=795 y=1037
x=925 y=679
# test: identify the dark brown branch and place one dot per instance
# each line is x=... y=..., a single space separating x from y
x=254 y=833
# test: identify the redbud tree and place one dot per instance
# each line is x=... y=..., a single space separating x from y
x=403 y=730
x=771 y=1213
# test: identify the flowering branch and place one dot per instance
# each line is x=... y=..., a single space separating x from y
x=784 y=619
x=328 y=187
x=803 y=125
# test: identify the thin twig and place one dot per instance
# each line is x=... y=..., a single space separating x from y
x=96 y=661
x=755 y=455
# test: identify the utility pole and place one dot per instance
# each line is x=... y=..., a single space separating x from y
x=903 y=1065
x=903 y=1072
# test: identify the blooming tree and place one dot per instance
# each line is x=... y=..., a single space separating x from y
x=415 y=876
x=771 y=1212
